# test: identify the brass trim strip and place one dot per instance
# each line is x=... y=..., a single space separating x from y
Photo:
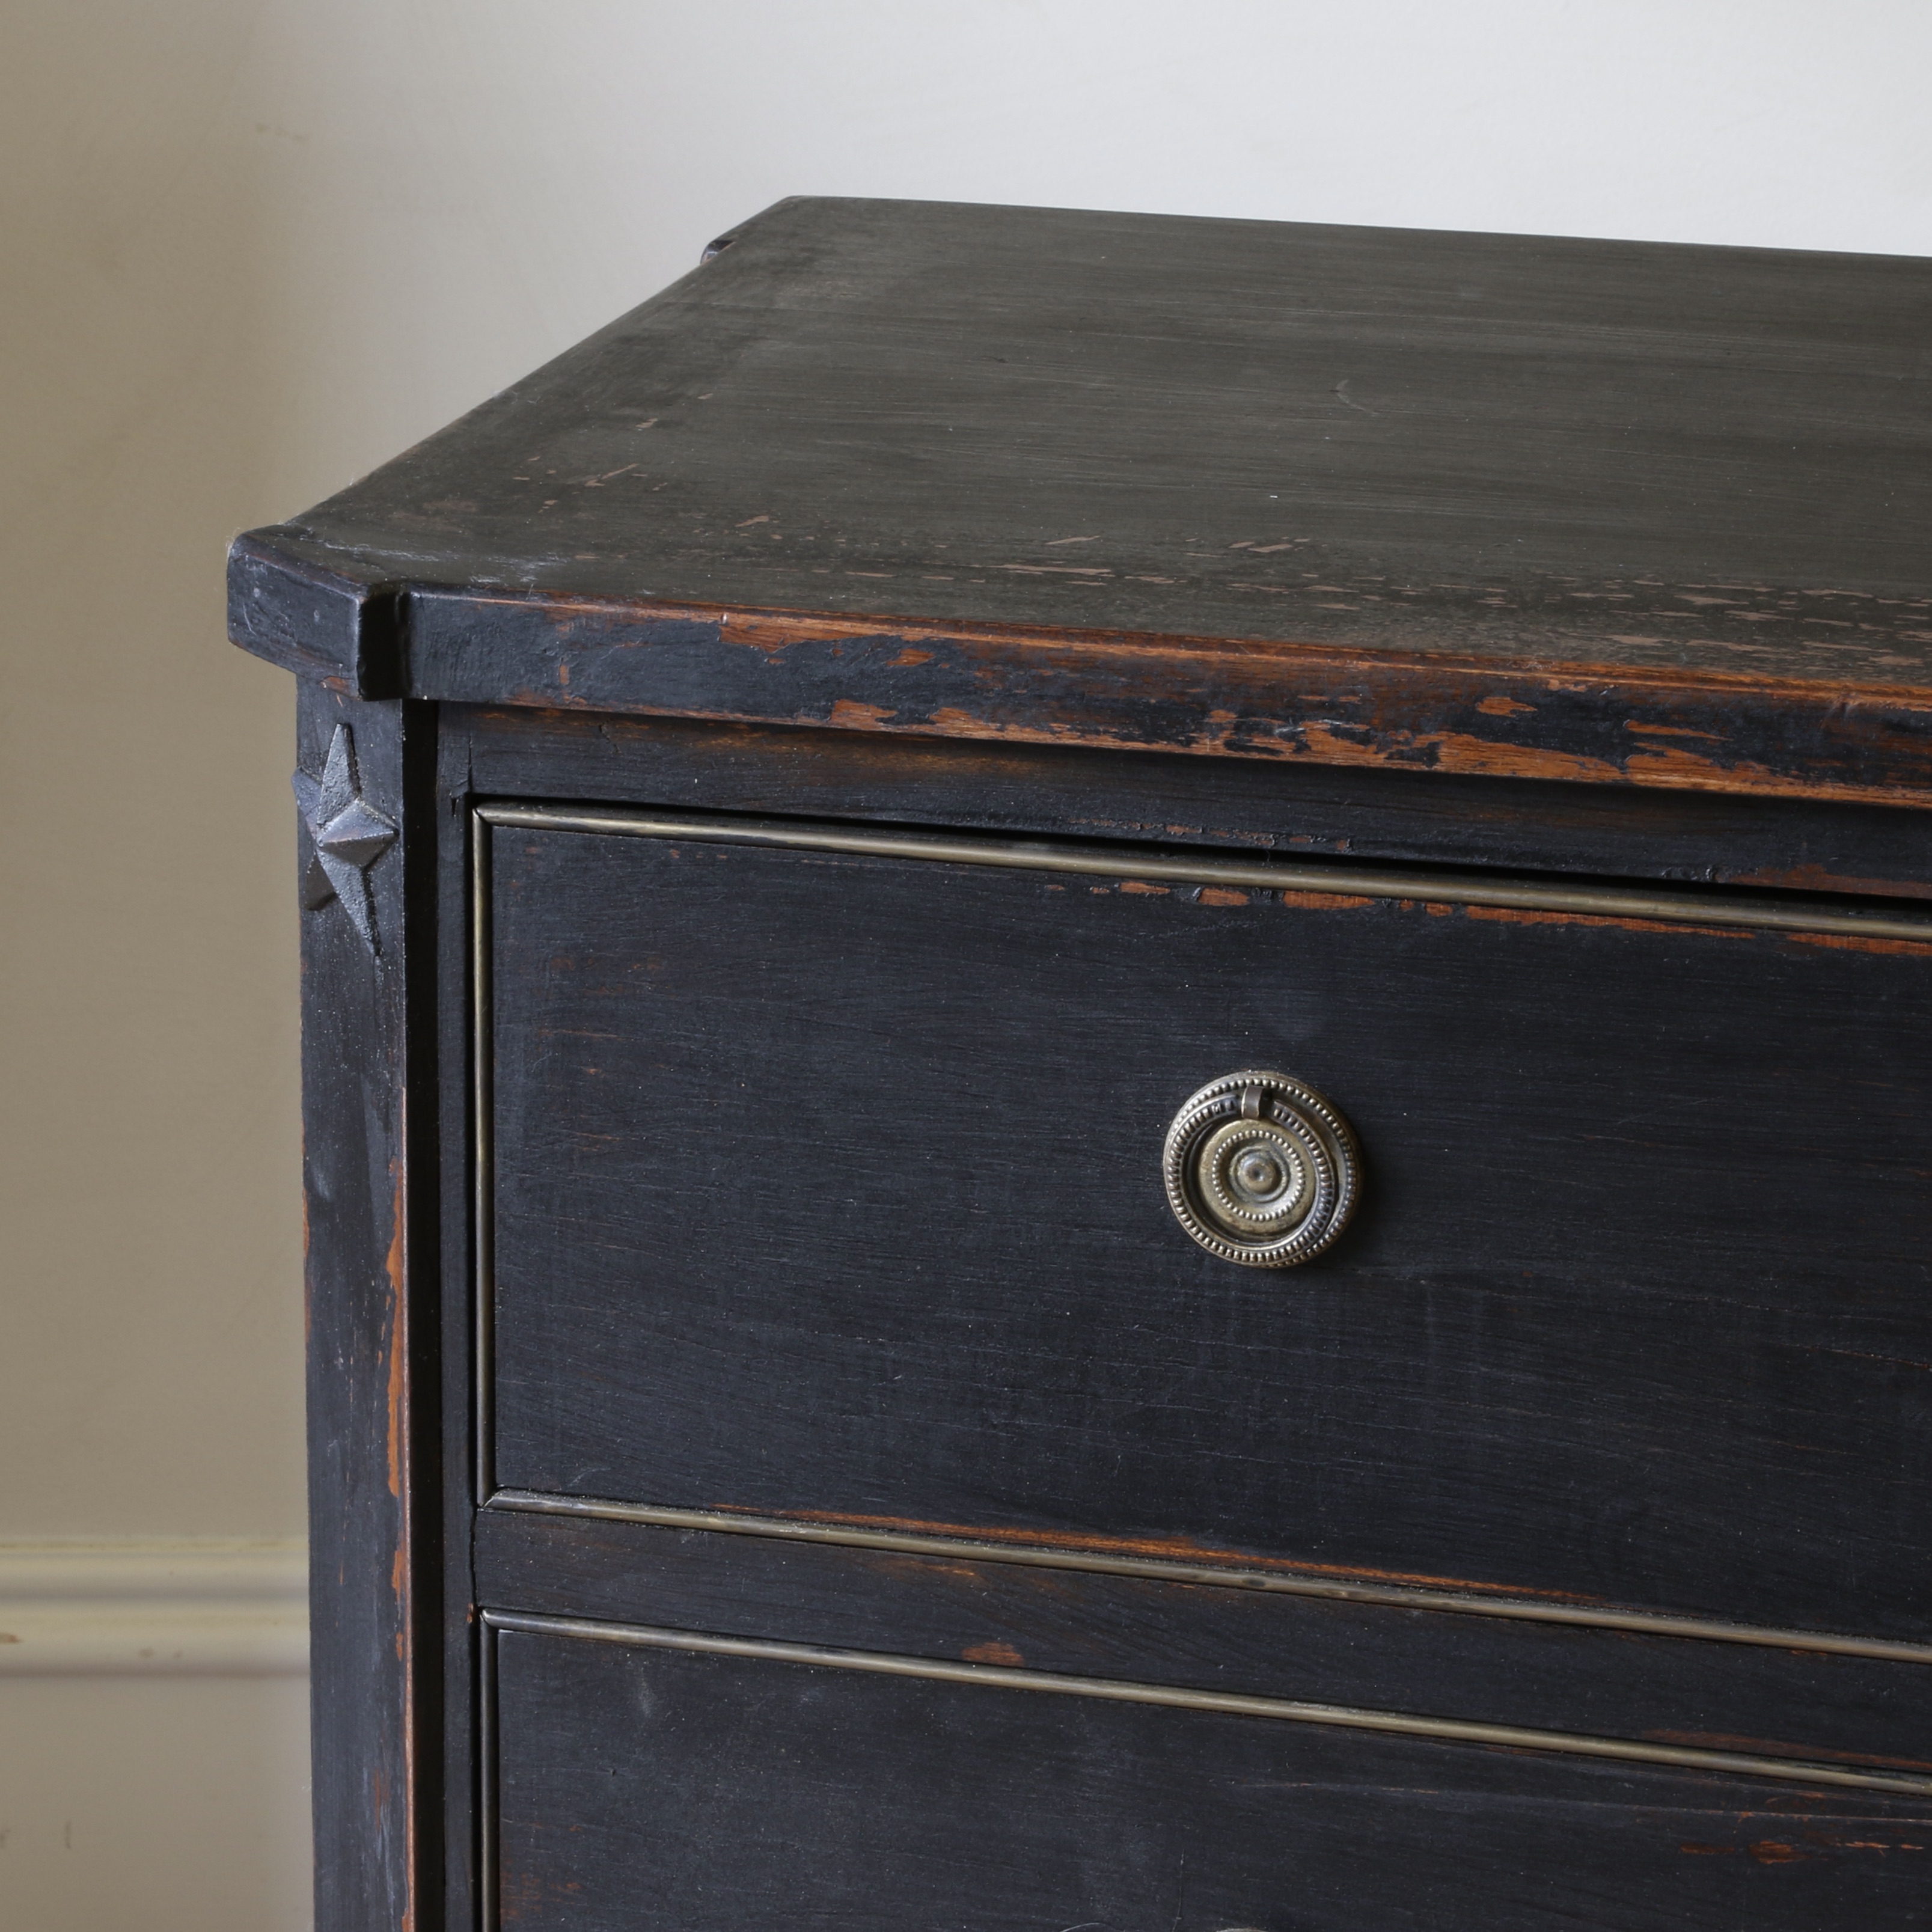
x=1644 y=1623
x=1102 y=859
x=994 y=1676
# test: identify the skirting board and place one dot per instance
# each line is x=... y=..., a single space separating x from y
x=203 y=1607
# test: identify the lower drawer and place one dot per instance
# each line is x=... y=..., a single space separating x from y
x=639 y=1786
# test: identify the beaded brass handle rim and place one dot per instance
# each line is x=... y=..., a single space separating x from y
x=1261 y=1169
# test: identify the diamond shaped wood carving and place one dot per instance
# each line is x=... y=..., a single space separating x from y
x=349 y=836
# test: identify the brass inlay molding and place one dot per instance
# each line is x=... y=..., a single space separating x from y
x=1230 y=1576
x=1100 y=858
x=1345 y=1717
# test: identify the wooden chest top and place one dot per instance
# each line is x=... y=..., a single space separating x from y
x=1607 y=511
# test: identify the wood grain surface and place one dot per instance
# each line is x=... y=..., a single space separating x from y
x=830 y=1186
x=1604 y=512
x=1768 y=1700
x=1292 y=810
x=643 y=1789
x=370 y=1271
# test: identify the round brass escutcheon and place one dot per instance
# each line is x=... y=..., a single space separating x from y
x=1261 y=1169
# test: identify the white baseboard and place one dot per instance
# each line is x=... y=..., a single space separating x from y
x=203 y=1607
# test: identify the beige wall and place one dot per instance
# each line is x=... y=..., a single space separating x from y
x=250 y=247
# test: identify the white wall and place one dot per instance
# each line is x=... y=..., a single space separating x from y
x=250 y=247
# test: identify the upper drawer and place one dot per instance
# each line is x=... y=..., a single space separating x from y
x=829 y=1185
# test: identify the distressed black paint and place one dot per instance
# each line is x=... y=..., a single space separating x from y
x=1294 y=809
x=648 y=1792
x=1771 y=1701
x=371 y=1281
x=1611 y=513
x=869 y=1149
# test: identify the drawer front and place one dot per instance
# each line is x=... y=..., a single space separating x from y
x=1768 y=1710
x=827 y=1186
x=636 y=1787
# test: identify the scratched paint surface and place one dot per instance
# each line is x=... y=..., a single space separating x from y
x=1768 y=1700
x=644 y=1790
x=1505 y=444
x=1610 y=513
x=373 y=1786
x=867 y=1151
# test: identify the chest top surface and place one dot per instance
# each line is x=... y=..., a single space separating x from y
x=1606 y=510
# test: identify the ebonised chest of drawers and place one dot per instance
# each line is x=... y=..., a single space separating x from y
x=1117 y=1058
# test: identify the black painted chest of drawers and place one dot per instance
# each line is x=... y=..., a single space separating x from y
x=801 y=796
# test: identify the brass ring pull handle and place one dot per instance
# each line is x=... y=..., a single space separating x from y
x=1261 y=1169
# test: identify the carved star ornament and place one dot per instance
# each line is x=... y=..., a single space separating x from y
x=348 y=835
